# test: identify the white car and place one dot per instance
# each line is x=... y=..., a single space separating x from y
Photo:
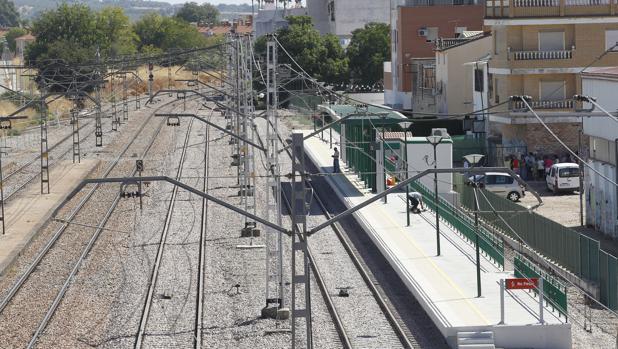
x=500 y=183
x=563 y=177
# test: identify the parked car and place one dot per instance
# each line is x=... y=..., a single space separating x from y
x=563 y=177
x=500 y=183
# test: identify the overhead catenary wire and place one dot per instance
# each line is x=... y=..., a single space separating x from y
x=441 y=115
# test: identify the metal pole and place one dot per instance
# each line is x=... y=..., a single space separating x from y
x=541 y=300
x=476 y=242
x=616 y=168
x=436 y=198
x=405 y=137
x=384 y=161
x=2 y=193
x=501 y=302
x=581 y=182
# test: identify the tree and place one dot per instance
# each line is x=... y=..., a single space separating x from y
x=9 y=17
x=111 y=22
x=13 y=34
x=156 y=31
x=69 y=36
x=320 y=56
x=200 y=14
x=367 y=52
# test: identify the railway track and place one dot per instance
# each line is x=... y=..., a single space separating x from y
x=416 y=332
x=55 y=268
x=16 y=183
x=392 y=333
x=162 y=243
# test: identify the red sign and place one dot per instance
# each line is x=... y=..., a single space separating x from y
x=522 y=284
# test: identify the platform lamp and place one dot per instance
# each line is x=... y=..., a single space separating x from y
x=473 y=160
x=406 y=125
x=434 y=141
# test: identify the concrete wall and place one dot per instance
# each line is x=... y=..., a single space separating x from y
x=318 y=10
x=420 y=158
x=453 y=78
x=355 y=14
x=604 y=89
x=601 y=202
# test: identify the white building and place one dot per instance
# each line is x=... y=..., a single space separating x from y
x=341 y=17
x=601 y=203
x=269 y=20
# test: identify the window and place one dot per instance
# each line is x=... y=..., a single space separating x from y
x=478 y=80
x=552 y=91
x=551 y=41
x=568 y=172
x=502 y=180
x=611 y=38
x=496 y=96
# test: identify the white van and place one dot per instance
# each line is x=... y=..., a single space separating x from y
x=563 y=177
x=500 y=183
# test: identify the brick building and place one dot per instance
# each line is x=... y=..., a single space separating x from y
x=415 y=26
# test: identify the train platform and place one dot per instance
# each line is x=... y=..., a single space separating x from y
x=446 y=285
x=28 y=211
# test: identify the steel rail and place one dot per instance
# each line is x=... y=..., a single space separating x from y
x=199 y=301
x=60 y=295
x=356 y=260
x=141 y=333
x=56 y=235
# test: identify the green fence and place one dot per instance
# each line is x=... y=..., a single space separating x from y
x=553 y=290
x=464 y=145
x=491 y=246
x=305 y=102
x=575 y=252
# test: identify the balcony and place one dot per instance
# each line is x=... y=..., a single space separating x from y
x=548 y=8
x=540 y=55
x=564 y=104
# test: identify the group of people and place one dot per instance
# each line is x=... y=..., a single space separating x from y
x=533 y=166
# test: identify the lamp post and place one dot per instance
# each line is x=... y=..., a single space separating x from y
x=383 y=117
x=435 y=140
x=473 y=160
x=406 y=125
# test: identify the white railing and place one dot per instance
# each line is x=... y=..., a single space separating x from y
x=559 y=104
x=586 y=2
x=540 y=55
x=536 y=3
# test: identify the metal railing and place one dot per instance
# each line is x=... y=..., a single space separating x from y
x=541 y=55
x=557 y=104
x=443 y=43
x=547 y=8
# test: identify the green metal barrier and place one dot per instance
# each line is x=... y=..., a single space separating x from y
x=491 y=246
x=576 y=252
x=553 y=291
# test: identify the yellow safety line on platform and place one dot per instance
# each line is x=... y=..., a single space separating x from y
x=436 y=267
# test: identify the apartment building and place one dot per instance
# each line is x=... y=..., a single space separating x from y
x=409 y=78
x=539 y=49
x=601 y=194
x=342 y=17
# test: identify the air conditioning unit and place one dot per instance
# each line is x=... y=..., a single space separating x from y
x=440 y=132
x=423 y=32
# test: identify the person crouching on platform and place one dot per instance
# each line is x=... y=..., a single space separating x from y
x=415 y=198
x=336 y=161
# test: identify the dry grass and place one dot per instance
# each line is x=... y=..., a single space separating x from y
x=61 y=107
